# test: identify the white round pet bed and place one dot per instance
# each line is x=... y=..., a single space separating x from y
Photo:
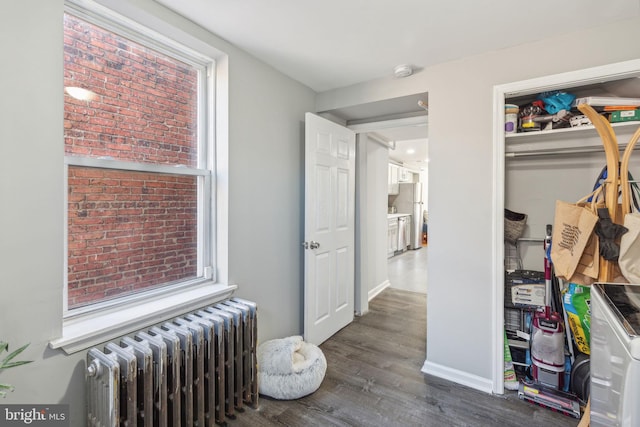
x=289 y=368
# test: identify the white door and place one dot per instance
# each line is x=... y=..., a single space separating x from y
x=329 y=228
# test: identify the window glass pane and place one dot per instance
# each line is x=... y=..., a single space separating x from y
x=126 y=101
x=128 y=231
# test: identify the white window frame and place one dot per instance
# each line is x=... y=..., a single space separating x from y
x=86 y=326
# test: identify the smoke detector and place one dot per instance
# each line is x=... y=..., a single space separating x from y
x=403 y=70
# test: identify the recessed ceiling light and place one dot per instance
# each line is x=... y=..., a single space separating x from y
x=411 y=151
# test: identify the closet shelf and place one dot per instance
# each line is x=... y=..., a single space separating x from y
x=576 y=140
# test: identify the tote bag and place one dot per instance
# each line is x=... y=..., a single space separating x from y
x=629 y=258
x=586 y=272
x=574 y=246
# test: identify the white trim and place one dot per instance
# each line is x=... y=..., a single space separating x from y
x=497 y=245
x=132 y=29
x=361 y=238
x=457 y=376
x=387 y=124
x=381 y=287
x=82 y=332
x=220 y=220
x=92 y=162
x=558 y=81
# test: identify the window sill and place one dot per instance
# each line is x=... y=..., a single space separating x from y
x=87 y=330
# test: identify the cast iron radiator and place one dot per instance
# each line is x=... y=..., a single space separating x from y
x=193 y=370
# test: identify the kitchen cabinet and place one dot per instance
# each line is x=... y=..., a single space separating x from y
x=393 y=176
x=392 y=235
x=398 y=175
x=404 y=175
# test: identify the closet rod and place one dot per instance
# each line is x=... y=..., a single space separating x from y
x=561 y=151
x=554 y=152
x=531 y=239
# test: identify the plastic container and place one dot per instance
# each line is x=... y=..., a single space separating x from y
x=511 y=118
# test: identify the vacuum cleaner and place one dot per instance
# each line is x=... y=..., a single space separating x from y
x=547 y=335
x=556 y=400
x=547 y=353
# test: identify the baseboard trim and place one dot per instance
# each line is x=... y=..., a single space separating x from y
x=457 y=376
x=381 y=287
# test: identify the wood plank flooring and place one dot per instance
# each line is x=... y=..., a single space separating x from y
x=374 y=379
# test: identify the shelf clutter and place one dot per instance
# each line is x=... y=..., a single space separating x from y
x=559 y=109
x=541 y=125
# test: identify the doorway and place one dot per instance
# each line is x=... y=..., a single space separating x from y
x=403 y=196
x=407 y=206
x=372 y=122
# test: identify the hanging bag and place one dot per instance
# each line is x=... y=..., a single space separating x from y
x=514 y=224
x=574 y=246
x=629 y=256
x=588 y=267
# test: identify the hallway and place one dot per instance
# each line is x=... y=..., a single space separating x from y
x=408 y=271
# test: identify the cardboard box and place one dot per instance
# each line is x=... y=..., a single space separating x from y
x=524 y=288
x=624 y=116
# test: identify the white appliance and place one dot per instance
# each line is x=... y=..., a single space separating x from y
x=615 y=355
x=409 y=201
x=404 y=233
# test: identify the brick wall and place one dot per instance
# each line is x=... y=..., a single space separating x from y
x=128 y=230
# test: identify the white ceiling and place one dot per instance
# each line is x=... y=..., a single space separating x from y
x=335 y=43
x=331 y=44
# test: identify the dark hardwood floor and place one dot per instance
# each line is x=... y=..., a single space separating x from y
x=374 y=379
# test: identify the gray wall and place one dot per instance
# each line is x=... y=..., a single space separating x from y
x=371 y=223
x=459 y=322
x=265 y=195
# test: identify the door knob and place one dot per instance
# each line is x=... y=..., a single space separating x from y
x=311 y=245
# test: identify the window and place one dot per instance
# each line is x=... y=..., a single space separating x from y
x=139 y=163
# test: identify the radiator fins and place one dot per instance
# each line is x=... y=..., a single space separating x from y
x=194 y=370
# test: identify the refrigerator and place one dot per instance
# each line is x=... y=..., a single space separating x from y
x=409 y=201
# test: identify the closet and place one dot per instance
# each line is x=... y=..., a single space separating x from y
x=536 y=168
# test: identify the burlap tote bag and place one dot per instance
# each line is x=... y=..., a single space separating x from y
x=574 y=246
x=588 y=267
